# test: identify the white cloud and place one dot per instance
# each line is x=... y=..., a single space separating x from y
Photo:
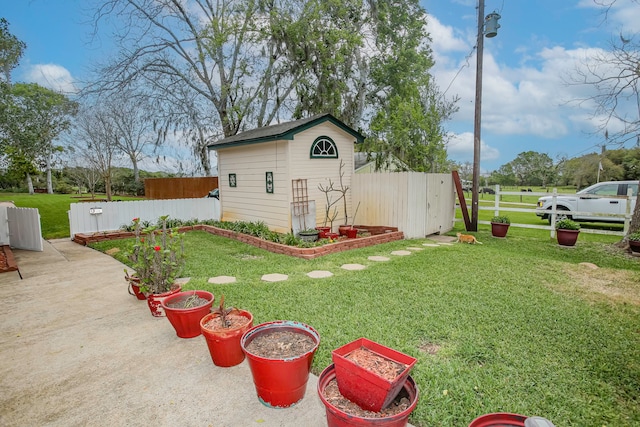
x=52 y=76
x=460 y=148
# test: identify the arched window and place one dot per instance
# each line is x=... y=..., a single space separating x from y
x=324 y=147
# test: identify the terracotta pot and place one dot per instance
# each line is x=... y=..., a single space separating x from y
x=224 y=344
x=280 y=383
x=499 y=229
x=364 y=387
x=352 y=233
x=499 y=419
x=154 y=301
x=567 y=237
x=186 y=321
x=338 y=418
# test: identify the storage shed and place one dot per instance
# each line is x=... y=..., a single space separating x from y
x=272 y=174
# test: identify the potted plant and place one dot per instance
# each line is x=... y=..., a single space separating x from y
x=185 y=309
x=500 y=225
x=370 y=374
x=634 y=241
x=309 y=235
x=567 y=232
x=222 y=330
x=157 y=257
x=329 y=216
x=134 y=285
x=342 y=412
x=280 y=355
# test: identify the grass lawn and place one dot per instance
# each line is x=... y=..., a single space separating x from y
x=514 y=325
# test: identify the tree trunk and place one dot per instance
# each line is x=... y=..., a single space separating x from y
x=30 y=183
x=635 y=218
x=49 y=183
x=107 y=186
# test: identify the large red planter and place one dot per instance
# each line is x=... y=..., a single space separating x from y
x=338 y=418
x=280 y=383
x=369 y=390
x=186 y=321
x=224 y=344
x=499 y=229
x=154 y=301
x=352 y=233
x=323 y=232
x=135 y=291
x=499 y=419
x=567 y=237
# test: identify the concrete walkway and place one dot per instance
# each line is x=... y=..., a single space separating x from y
x=77 y=350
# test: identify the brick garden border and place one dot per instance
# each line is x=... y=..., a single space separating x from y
x=305 y=253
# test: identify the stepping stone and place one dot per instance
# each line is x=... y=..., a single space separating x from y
x=378 y=258
x=182 y=280
x=401 y=253
x=222 y=280
x=446 y=244
x=274 y=277
x=353 y=267
x=431 y=245
x=411 y=248
x=319 y=274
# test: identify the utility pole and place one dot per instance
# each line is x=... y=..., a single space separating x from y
x=491 y=30
x=477 y=120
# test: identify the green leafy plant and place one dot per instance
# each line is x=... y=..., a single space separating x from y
x=567 y=224
x=634 y=237
x=157 y=256
x=503 y=219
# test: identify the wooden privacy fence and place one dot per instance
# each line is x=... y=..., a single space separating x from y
x=497 y=208
x=108 y=216
x=418 y=204
x=179 y=188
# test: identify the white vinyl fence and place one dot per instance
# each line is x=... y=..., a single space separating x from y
x=419 y=204
x=20 y=227
x=88 y=217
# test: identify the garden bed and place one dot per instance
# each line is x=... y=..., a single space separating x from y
x=306 y=253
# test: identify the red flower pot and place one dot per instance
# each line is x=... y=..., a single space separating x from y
x=135 y=291
x=352 y=233
x=499 y=419
x=224 y=344
x=567 y=237
x=338 y=418
x=186 y=321
x=499 y=229
x=342 y=230
x=332 y=236
x=280 y=383
x=323 y=232
x=364 y=387
x=155 y=301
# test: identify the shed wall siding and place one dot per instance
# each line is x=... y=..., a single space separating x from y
x=319 y=171
x=249 y=201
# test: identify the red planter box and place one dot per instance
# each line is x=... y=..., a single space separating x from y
x=367 y=389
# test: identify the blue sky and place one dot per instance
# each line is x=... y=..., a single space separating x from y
x=526 y=103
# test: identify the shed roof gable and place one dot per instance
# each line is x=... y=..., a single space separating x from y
x=282 y=131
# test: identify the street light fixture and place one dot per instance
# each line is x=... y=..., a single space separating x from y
x=487 y=26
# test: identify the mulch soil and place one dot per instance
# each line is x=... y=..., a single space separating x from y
x=234 y=321
x=385 y=368
x=332 y=394
x=280 y=345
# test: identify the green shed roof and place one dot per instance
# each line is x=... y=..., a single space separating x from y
x=282 y=131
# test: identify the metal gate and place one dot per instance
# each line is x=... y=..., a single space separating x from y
x=24 y=228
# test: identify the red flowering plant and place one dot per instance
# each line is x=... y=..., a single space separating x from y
x=157 y=256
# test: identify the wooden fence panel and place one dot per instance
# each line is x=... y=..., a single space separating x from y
x=108 y=216
x=179 y=188
x=417 y=204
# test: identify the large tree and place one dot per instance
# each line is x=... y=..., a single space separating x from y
x=31 y=119
x=11 y=50
x=251 y=63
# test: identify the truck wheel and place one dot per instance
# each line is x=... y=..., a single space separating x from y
x=560 y=215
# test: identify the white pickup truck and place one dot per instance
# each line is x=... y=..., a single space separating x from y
x=593 y=204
